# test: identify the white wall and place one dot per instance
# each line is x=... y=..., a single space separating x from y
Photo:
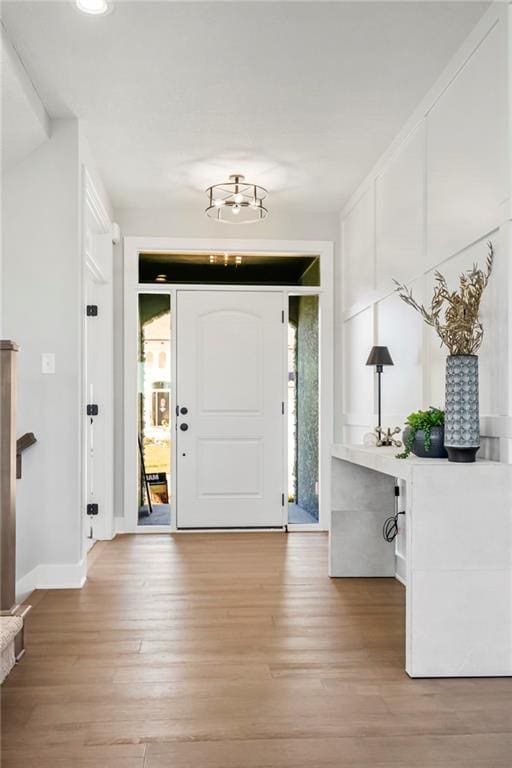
x=24 y=121
x=194 y=224
x=41 y=294
x=42 y=312
x=432 y=201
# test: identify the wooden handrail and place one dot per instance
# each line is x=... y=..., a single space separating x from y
x=25 y=441
x=22 y=443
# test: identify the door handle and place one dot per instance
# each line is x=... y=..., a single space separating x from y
x=183 y=427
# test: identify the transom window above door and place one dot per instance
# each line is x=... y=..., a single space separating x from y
x=223 y=268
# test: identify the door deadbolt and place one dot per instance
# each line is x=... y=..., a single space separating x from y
x=183 y=411
x=183 y=427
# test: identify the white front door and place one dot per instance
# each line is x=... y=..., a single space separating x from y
x=230 y=348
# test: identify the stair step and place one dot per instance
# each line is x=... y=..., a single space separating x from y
x=9 y=628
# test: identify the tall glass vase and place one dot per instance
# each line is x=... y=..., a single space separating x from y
x=462 y=417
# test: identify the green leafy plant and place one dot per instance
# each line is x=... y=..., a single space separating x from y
x=454 y=315
x=421 y=421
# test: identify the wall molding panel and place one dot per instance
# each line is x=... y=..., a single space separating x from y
x=433 y=200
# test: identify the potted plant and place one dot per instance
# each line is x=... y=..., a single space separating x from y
x=424 y=435
x=454 y=315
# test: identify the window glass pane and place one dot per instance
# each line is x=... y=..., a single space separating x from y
x=303 y=425
x=154 y=409
x=229 y=268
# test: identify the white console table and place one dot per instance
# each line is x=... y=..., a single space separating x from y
x=456 y=550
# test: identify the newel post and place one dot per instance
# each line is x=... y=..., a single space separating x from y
x=8 y=350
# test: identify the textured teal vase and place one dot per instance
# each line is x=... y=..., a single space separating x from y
x=462 y=417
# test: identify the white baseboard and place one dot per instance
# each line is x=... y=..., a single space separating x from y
x=26 y=585
x=52 y=576
x=119 y=525
x=400 y=579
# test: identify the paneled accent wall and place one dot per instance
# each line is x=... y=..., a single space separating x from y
x=434 y=199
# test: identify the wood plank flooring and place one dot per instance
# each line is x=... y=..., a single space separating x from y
x=236 y=651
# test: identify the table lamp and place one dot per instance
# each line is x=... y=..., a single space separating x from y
x=379 y=357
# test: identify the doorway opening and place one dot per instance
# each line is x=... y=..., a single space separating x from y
x=154 y=409
x=303 y=409
x=193 y=469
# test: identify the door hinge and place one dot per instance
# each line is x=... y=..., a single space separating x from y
x=282 y=316
x=92 y=509
x=92 y=310
x=282 y=407
x=282 y=499
x=92 y=409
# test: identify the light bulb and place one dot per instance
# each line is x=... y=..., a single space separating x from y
x=238 y=198
x=218 y=202
x=236 y=210
x=93 y=7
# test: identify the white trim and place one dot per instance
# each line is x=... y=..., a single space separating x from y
x=119 y=525
x=400 y=579
x=382 y=293
x=192 y=244
x=26 y=584
x=324 y=249
x=93 y=199
x=152 y=529
x=54 y=576
x=494 y=425
x=305 y=527
x=92 y=203
x=65 y=576
x=297 y=290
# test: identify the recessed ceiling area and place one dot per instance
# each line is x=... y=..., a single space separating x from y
x=222 y=268
x=301 y=97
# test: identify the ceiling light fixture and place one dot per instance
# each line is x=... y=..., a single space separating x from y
x=236 y=201
x=94 y=7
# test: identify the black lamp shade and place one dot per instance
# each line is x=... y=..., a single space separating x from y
x=379 y=356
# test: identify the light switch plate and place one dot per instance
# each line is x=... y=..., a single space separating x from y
x=48 y=363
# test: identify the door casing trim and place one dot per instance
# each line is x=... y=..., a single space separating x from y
x=132 y=246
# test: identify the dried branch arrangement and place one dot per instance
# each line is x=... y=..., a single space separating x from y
x=454 y=315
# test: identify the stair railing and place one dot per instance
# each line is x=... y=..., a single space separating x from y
x=8 y=463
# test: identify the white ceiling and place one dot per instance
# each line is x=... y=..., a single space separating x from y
x=301 y=97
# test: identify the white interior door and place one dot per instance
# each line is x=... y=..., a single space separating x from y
x=230 y=398
x=98 y=431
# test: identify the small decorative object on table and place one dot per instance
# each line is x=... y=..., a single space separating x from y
x=387 y=437
x=424 y=435
x=461 y=331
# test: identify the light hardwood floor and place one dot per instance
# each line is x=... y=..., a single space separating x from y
x=236 y=651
